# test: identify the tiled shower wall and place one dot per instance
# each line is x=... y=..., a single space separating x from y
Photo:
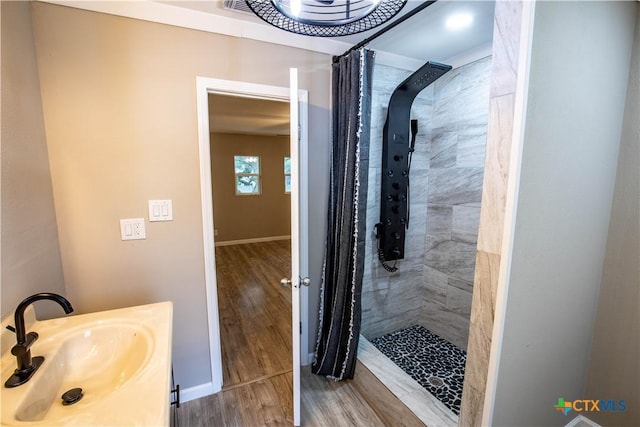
x=433 y=284
x=459 y=134
x=392 y=301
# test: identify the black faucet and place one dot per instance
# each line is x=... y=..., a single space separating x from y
x=27 y=365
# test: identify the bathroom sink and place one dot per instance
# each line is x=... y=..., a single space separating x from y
x=121 y=359
x=99 y=359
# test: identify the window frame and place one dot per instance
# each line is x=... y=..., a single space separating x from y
x=241 y=174
x=284 y=170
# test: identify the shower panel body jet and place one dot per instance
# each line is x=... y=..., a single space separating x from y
x=396 y=160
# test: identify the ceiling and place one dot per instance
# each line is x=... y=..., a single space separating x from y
x=423 y=37
x=235 y=114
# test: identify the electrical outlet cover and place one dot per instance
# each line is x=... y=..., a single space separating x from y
x=132 y=229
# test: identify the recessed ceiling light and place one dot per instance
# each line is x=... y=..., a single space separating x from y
x=459 y=21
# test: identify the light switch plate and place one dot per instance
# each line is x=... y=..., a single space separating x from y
x=132 y=229
x=160 y=210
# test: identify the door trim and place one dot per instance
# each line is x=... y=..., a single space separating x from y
x=205 y=86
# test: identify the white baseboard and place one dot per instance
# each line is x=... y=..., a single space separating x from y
x=196 y=392
x=256 y=240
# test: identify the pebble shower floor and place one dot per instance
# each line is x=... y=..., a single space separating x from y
x=435 y=363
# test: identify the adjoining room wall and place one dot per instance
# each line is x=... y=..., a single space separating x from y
x=240 y=217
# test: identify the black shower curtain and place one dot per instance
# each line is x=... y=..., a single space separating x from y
x=340 y=311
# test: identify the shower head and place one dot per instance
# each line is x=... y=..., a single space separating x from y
x=414 y=132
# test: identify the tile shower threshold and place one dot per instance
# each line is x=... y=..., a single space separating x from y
x=423 y=404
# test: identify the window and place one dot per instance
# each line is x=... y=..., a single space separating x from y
x=287 y=174
x=247 y=170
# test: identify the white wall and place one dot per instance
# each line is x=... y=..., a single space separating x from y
x=578 y=80
x=614 y=369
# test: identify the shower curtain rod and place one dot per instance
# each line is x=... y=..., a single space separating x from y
x=399 y=21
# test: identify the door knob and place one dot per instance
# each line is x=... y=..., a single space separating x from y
x=285 y=282
x=303 y=282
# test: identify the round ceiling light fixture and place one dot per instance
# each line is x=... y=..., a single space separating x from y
x=459 y=21
x=326 y=18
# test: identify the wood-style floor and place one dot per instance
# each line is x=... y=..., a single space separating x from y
x=261 y=403
x=255 y=318
x=255 y=310
x=362 y=402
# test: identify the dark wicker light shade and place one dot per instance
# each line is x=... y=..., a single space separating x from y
x=326 y=18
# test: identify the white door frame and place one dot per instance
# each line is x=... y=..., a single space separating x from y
x=205 y=86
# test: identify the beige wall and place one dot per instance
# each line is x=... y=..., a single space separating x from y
x=614 y=369
x=119 y=100
x=238 y=217
x=30 y=251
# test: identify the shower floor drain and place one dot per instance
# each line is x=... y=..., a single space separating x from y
x=435 y=381
x=435 y=363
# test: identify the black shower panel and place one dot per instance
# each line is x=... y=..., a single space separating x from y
x=396 y=160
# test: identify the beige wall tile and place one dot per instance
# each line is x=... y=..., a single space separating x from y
x=471 y=410
x=506 y=41
x=482 y=315
x=496 y=173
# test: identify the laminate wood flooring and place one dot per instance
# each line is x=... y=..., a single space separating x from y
x=325 y=403
x=255 y=318
x=260 y=403
x=255 y=310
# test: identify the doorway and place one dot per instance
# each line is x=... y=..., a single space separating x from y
x=250 y=170
x=206 y=86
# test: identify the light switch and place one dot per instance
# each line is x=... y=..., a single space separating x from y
x=132 y=229
x=160 y=210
